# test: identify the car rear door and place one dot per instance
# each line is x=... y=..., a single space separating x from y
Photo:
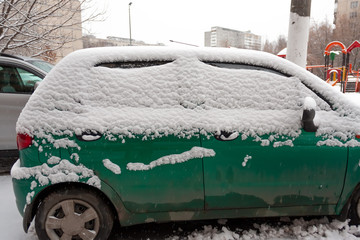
x=162 y=174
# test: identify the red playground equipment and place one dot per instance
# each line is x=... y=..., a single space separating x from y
x=345 y=75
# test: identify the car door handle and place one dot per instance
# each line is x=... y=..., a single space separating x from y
x=89 y=136
x=226 y=136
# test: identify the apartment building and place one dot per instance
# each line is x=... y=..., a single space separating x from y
x=348 y=9
x=225 y=37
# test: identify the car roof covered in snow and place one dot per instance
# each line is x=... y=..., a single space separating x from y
x=180 y=95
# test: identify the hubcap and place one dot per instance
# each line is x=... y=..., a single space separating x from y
x=358 y=208
x=72 y=219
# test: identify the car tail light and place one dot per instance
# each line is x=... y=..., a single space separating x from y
x=23 y=141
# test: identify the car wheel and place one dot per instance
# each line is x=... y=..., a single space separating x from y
x=354 y=211
x=73 y=214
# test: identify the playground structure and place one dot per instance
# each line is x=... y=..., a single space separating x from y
x=345 y=75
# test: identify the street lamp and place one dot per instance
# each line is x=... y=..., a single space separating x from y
x=130 y=22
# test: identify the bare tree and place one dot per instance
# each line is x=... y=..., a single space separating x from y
x=269 y=47
x=320 y=35
x=347 y=31
x=280 y=44
x=40 y=27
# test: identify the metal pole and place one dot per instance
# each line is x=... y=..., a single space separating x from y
x=298 y=35
x=130 y=24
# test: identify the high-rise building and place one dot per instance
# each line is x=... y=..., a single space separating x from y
x=224 y=37
x=348 y=9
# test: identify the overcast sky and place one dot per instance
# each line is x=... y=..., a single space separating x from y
x=158 y=21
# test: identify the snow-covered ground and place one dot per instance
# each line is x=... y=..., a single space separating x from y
x=10 y=218
x=11 y=223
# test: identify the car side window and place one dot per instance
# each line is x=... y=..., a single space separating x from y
x=17 y=80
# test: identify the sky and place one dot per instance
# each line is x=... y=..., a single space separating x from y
x=159 y=21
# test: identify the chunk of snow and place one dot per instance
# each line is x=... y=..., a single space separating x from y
x=309 y=104
x=111 y=166
x=232 y=136
x=246 y=159
x=64 y=171
x=75 y=156
x=53 y=160
x=195 y=152
x=90 y=137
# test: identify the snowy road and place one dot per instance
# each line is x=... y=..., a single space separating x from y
x=10 y=218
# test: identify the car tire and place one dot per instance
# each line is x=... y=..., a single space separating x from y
x=78 y=213
x=354 y=211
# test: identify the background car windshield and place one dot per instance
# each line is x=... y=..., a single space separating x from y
x=45 y=66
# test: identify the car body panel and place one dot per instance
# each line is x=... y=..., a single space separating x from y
x=176 y=186
x=302 y=174
x=10 y=107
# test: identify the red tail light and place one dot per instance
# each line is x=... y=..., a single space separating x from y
x=23 y=141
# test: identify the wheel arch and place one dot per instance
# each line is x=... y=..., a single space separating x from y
x=106 y=193
x=346 y=207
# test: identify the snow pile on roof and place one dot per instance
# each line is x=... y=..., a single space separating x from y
x=298 y=229
x=178 y=98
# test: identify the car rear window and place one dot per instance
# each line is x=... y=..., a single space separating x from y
x=135 y=64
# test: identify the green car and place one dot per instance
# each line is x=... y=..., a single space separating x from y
x=155 y=134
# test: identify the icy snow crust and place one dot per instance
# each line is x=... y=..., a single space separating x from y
x=182 y=97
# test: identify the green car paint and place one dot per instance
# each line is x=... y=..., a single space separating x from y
x=276 y=181
x=303 y=174
x=170 y=187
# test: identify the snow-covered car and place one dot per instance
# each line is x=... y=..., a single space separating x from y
x=17 y=82
x=140 y=135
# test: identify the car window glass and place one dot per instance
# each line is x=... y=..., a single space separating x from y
x=135 y=64
x=243 y=66
x=17 y=80
x=28 y=79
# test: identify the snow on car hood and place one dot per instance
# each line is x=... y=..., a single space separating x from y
x=181 y=97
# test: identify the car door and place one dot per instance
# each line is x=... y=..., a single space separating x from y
x=162 y=174
x=273 y=169
x=244 y=174
x=16 y=86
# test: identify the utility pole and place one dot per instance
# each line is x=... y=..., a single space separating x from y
x=298 y=35
x=130 y=23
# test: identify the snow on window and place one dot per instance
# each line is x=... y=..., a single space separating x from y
x=195 y=152
x=111 y=166
x=181 y=97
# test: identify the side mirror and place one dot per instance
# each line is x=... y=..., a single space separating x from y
x=307 y=120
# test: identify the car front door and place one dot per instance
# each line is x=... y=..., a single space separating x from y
x=244 y=174
x=269 y=160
